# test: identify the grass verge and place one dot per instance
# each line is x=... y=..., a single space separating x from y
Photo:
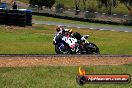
x=44 y=18
x=38 y=40
x=57 y=76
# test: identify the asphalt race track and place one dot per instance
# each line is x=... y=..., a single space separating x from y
x=111 y=28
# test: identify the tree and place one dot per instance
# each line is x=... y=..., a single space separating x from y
x=77 y=5
x=128 y=4
x=108 y=4
x=84 y=4
x=40 y=3
x=60 y=8
x=112 y=3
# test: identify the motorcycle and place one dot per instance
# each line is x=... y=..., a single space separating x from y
x=66 y=44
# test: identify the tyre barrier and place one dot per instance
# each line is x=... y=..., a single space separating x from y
x=2 y=16
x=21 y=18
x=29 y=17
x=11 y=19
x=16 y=17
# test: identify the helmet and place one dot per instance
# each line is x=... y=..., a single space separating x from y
x=57 y=29
x=60 y=27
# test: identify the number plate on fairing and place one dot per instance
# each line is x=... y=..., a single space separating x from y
x=70 y=41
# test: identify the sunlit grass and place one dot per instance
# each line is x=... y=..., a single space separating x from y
x=57 y=76
x=39 y=40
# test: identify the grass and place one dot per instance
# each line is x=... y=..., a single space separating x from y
x=44 y=18
x=26 y=41
x=57 y=76
x=38 y=40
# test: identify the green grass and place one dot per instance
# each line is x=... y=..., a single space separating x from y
x=57 y=76
x=26 y=41
x=44 y=18
x=39 y=40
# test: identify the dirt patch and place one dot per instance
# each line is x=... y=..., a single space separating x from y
x=62 y=61
x=22 y=4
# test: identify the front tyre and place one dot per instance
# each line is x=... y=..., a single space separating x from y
x=62 y=49
x=91 y=48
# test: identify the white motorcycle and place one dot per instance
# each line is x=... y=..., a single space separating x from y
x=67 y=44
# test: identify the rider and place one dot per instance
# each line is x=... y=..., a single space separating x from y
x=61 y=31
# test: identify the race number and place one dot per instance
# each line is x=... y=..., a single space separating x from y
x=70 y=41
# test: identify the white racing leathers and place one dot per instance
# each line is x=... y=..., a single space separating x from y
x=70 y=41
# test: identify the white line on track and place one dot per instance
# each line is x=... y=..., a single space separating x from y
x=91 y=28
x=101 y=29
x=78 y=27
x=112 y=30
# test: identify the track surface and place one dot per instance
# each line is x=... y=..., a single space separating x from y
x=55 y=55
x=63 y=60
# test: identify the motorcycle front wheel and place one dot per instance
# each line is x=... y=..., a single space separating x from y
x=62 y=49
